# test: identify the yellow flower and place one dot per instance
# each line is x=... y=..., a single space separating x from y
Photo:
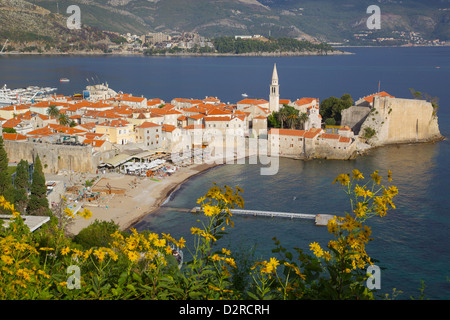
x=201 y=199
x=86 y=213
x=344 y=179
x=100 y=254
x=360 y=210
x=132 y=256
x=46 y=249
x=357 y=174
x=65 y=251
x=273 y=263
x=226 y=252
x=216 y=257
x=231 y=262
x=42 y=273
x=389 y=175
x=181 y=243
x=210 y=210
x=7 y=259
x=195 y=230
x=317 y=250
x=160 y=242
x=69 y=212
x=377 y=178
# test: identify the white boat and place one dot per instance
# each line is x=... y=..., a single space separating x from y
x=245 y=95
x=64 y=80
x=22 y=95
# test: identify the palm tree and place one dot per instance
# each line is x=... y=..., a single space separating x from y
x=53 y=111
x=283 y=114
x=63 y=119
x=303 y=118
x=292 y=120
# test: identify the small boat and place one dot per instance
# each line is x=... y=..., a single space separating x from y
x=245 y=95
x=438 y=67
x=64 y=80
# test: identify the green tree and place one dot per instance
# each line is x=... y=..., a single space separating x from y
x=21 y=185
x=303 y=117
x=333 y=106
x=6 y=188
x=9 y=130
x=347 y=99
x=273 y=120
x=97 y=234
x=38 y=202
x=53 y=111
x=287 y=114
x=63 y=119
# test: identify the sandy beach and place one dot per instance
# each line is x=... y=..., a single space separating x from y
x=135 y=197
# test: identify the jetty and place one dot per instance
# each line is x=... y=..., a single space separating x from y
x=320 y=219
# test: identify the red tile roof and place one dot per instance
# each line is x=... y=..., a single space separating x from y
x=287 y=132
x=379 y=94
x=148 y=124
x=194 y=126
x=329 y=136
x=94 y=142
x=312 y=133
x=253 y=101
x=11 y=123
x=116 y=123
x=13 y=136
x=303 y=101
x=168 y=127
x=217 y=118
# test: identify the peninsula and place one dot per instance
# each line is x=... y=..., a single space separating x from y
x=121 y=156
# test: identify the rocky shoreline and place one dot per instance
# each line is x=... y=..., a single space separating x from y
x=185 y=54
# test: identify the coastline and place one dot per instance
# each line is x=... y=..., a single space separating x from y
x=186 y=54
x=142 y=197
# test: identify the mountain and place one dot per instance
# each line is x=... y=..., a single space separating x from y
x=323 y=20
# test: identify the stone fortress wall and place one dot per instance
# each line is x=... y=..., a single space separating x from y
x=53 y=157
x=401 y=121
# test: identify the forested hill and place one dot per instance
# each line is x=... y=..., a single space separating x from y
x=240 y=46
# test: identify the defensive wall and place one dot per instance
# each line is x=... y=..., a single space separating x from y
x=401 y=121
x=53 y=157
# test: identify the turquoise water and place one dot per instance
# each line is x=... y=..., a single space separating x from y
x=411 y=242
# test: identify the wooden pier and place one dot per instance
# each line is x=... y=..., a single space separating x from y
x=320 y=219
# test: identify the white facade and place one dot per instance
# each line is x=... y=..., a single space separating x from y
x=274 y=96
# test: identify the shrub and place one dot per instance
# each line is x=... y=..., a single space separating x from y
x=116 y=265
x=97 y=234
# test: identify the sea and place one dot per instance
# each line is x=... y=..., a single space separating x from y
x=411 y=243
